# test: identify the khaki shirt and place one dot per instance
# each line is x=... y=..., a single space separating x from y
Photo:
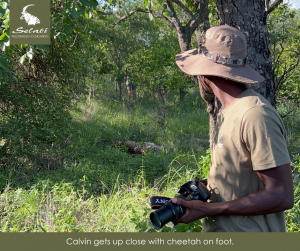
x=249 y=136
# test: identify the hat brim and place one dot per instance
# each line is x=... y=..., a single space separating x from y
x=193 y=63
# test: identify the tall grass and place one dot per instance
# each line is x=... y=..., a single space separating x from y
x=86 y=184
x=94 y=186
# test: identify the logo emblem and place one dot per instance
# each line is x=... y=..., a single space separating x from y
x=161 y=201
x=29 y=19
x=30 y=22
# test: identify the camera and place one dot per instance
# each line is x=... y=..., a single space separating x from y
x=191 y=190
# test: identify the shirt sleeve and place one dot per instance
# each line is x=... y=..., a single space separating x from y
x=264 y=135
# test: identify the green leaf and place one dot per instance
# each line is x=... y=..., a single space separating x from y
x=81 y=9
x=3 y=59
x=6 y=41
x=94 y=4
x=4 y=67
x=4 y=62
x=67 y=21
x=69 y=6
x=3 y=73
x=86 y=3
x=63 y=37
x=2 y=36
x=68 y=36
x=46 y=48
x=146 y=2
x=167 y=13
x=42 y=228
x=88 y=15
x=68 y=29
x=74 y=13
x=2 y=11
x=3 y=47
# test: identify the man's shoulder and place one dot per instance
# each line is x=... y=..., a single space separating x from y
x=251 y=100
x=250 y=106
x=259 y=113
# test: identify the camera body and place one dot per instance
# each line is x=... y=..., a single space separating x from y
x=191 y=190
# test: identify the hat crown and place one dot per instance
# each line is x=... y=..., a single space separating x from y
x=226 y=41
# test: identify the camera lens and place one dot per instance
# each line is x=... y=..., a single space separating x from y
x=171 y=212
x=156 y=221
x=161 y=216
x=168 y=212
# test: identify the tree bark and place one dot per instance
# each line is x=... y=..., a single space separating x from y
x=200 y=17
x=120 y=90
x=208 y=98
x=249 y=16
x=184 y=39
x=205 y=25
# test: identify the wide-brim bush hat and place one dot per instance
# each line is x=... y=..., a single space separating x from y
x=223 y=55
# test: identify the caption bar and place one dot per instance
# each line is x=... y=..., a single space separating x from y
x=143 y=242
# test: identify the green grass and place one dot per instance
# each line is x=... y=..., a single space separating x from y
x=291 y=115
x=84 y=184
x=61 y=208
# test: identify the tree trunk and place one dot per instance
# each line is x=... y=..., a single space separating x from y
x=185 y=35
x=120 y=90
x=203 y=27
x=208 y=98
x=184 y=40
x=90 y=94
x=249 y=17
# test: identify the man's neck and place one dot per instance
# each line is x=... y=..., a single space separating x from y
x=226 y=91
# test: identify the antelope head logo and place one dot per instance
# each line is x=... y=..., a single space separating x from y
x=30 y=19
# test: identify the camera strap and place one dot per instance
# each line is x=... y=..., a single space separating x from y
x=158 y=201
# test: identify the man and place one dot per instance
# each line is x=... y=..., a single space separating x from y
x=250 y=176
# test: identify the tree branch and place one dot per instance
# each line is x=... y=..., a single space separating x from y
x=273 y=6
x=267 y=3
x=186 y=9
x=278 y=56
x=176 y=21
x=121 y=18
x=286 y=73
x=110 y=13
x=161 y=16
x=198 y=17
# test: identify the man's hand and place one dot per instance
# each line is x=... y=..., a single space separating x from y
x=195 y=210
x=276 y=196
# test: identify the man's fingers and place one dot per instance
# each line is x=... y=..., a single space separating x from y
x=180 y=202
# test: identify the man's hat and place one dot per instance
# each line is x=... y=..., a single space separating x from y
x=223 y=55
